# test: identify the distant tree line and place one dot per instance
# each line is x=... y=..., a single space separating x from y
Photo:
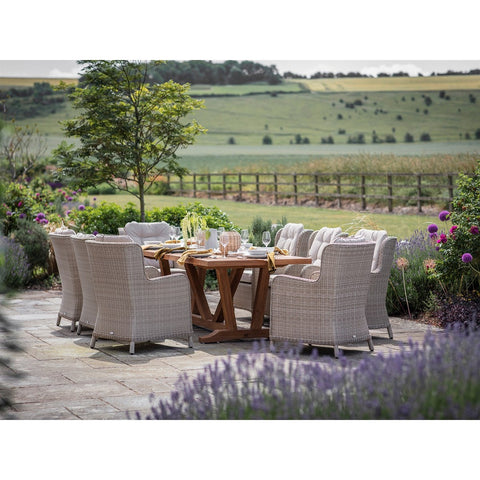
x=475 y=71
x=230 y=72
x=26 y=102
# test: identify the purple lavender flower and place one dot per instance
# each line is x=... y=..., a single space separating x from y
x=444 y=215
x=474 y=230
x=81 y=207
x=467 y=258
x=432 y=228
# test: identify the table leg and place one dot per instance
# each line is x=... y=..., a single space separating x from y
x=199 y=300
x=260 y=298
x=164 y=267
x=233 y=280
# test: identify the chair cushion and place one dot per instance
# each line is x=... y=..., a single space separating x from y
x=323 y=237
x=289 y=237
x=141 y=232
x=377 y=236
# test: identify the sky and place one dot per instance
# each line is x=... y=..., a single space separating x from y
x=70 y=69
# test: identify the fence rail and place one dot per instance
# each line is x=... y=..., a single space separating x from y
x=392 y=189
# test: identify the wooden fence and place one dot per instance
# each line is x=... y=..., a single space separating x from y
x=390 y=189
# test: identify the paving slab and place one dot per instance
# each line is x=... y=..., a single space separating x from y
x=64 y=379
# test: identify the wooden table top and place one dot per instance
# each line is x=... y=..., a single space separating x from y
x=232 y=261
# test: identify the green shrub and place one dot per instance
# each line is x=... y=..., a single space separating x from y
x=102 y=189
x=259 y=226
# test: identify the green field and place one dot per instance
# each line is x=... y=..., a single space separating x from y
x=401 y=226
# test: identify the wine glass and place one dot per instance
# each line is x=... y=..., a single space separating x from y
x=266 y=238
x=224 y=241
x=244 y=237
x=171 y=233
x=177 y=233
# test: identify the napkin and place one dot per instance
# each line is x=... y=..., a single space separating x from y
x=271 y=258
x=190 y=252
x=162 y=251
x=151 y=245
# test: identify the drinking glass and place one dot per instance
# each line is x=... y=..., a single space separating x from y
x=224 y=241
x=171 y=233
x=266 y=238
x=178 y=234
x=244 y=237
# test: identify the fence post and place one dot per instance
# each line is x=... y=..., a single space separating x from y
x=275 y=187
x=194 y=185
x=339 y=191
x=450 y=191
x=224 y=186
x=419 y=193
x=364 y=201
x=316 y=189
x=257 y=186
x=209 y=182
x=295 y=188
x=390 y=193
x=181 y=186
x=239 y=186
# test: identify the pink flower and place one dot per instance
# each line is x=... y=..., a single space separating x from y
x=442 y=239
x=453 y=228
x=474 y=230
x=20 y=203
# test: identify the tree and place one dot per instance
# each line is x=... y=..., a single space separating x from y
x=129 y=129
x=21 y=151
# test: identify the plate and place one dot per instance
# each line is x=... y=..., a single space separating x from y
x=200 y=255
x=256 y=255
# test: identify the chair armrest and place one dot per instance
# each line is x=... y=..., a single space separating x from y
x=310 y=272
x=152 y=272
x=294 y=270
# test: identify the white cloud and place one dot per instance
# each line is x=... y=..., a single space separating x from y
x=57 y=73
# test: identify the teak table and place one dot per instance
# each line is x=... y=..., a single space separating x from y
x=229 y=272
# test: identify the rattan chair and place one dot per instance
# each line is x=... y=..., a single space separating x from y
x=72 y=298
x=329 y=310
x=89 y=303
x=134 y=303
x=292 y=237
x=376 y=309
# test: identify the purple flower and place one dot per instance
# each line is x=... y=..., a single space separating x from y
x=20 y=203
x=81 y=207
x=44 y=221
x=22 y=215
x=68 y=212
x=444 y=215
x=94 y=232
x=433 y=236
x=432 y=228
x=94 y=199
x=74 y=192
x=69 y=199
x=442 y=239
x=37 y=194
x=40 y=216
x=9 y=213
x=453 y=228
x=467 y=258
x=474 y=230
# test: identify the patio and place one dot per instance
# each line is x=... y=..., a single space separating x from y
x=66 y=380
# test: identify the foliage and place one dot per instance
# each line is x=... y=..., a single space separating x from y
x=259 y=225
x=464 y=308
x=34 y=240
x=14 y=268
x=129 y=129
x=462 y=237
x=108 y=217
x=412 y=281
x=437 y=379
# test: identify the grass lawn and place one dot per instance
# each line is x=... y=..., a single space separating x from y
x=401 y=226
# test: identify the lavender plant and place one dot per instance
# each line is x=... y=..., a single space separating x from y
x=14 y=267
x=437 y=379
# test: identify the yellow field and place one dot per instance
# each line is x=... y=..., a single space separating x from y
x=392 y=84
x=28 y=82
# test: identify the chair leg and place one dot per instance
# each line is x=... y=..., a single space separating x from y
x=132 y=348
x=335 y=351
x=72 y=328
x=58 y=320
x=370 y=344
x=390 y=333
x=79 y=329
x=190 y=341
x=92 y=342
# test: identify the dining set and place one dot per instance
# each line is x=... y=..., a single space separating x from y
x=317 y=287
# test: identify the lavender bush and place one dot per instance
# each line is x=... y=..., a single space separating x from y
x=437 y=379
x=14 y=268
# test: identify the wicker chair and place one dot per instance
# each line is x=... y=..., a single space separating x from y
x=329 y=310
x=292 y=237
x=72 y=298
x=134 y=303
x=376 y=309
x=89 y=303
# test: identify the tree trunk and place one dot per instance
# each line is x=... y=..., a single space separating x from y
x=141 y=194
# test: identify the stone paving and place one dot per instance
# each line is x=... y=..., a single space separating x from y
x=63 y=378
